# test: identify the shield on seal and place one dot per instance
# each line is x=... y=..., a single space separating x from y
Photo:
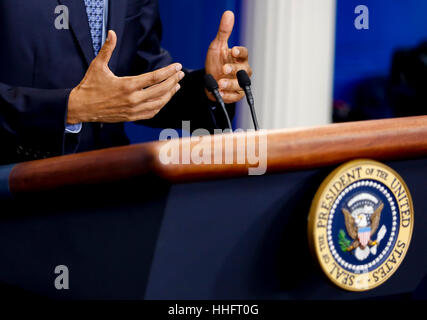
x=364 y=235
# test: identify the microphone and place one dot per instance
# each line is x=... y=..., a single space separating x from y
x=213 y=88
x=245 y=84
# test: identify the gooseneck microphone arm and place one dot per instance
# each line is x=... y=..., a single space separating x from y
x=245 y=84
x=213 y=88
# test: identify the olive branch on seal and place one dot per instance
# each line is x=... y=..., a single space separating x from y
x=343 y=241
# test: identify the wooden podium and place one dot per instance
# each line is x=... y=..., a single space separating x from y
x=128 y=226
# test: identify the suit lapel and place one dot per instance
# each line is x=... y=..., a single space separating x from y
x=117 y=15
x=79 y=25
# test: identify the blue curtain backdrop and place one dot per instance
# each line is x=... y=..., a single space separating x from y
x=366 y=53
x=188 y=28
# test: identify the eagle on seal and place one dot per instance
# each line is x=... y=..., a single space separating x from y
x=362 y=227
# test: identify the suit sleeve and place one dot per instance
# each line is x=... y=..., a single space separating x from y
x=32 y=122
x=191 y=102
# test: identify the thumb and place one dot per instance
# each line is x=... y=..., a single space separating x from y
x=225 y=27
x=107 y=49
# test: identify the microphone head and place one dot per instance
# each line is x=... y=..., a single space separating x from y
x=243 y=78
x=211 y=83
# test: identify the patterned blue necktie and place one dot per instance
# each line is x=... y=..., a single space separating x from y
x=95 y=14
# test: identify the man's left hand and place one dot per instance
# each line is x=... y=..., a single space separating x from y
x=224 y=63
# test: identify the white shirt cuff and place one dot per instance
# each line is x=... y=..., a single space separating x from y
x=73 y=128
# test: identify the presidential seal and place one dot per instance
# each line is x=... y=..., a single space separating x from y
x=360 y=224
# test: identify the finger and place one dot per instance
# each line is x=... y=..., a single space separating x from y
x=107 y=49
x=232 y=97
x=149 y=79
x=161 y=89
x=229 y=85
x=240 y=53
x=230 y=70
x=225 y=27
x=149 y=109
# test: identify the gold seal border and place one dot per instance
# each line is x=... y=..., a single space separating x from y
x=402 y=234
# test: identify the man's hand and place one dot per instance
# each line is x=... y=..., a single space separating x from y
x=224 y=63
x=103 y=97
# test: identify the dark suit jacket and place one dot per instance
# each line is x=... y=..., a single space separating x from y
x=39 y=66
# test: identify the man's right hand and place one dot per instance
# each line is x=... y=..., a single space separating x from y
x=103 y=97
